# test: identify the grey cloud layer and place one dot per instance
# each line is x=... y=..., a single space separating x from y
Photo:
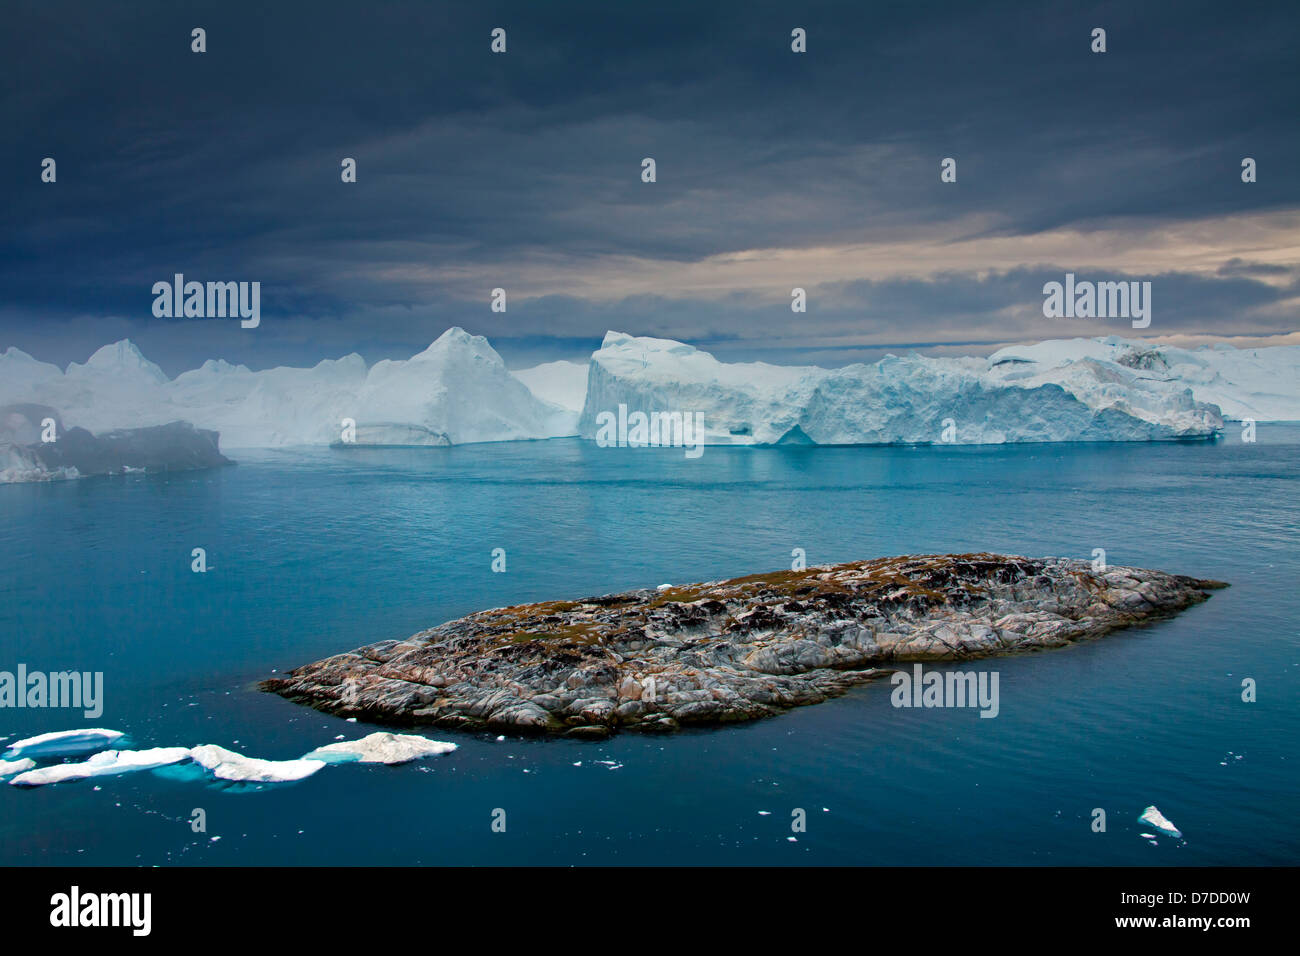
x=225 y=165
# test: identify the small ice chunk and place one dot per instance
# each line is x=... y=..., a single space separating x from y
x=10 y=767
x=227 y=765
x=381 y=747
x=106 y=763
x=63 y=743
x=1154 y=818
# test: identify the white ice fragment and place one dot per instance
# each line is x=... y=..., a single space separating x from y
x=381 y=747
x=227 y=765
x=459 y=390
x=106 y=763
x=1098 y=391
x=10 y=767
x=63 y=743
x=1153 y=817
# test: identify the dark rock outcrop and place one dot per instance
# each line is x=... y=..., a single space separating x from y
x=728 y=650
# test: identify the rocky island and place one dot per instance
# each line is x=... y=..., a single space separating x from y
x=727 y=651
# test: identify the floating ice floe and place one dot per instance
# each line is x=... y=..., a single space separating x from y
x=197 y=763
x=103 y=764
x=10 y=767
x=1078 y=395
x=63 y=743
x=227 y=765
x=382 y=748
x=1154 y=818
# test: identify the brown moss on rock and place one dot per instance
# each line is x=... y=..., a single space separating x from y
x=725 y=651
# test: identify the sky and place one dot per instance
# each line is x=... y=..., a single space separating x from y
x=522 y=170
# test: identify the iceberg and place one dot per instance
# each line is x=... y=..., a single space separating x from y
x=1155 y=819
x=458 y=390
x=742 y=403
x=227 y=765
x=176 y=446
x=1259 y=383
x=103 y=764
x=912 y=400
x=563 y=384
x=10 y=767
x=382 y=748
x=63 y=743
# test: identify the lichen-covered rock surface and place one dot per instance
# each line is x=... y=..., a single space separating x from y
x=728 y=650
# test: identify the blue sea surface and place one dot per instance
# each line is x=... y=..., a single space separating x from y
x=313 y=552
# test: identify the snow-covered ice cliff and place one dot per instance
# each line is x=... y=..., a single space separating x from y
x=895 y=400
x=459 y=390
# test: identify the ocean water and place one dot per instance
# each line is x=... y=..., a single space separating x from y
x=316 y=552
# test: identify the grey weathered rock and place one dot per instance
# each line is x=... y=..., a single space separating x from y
x=728 y=650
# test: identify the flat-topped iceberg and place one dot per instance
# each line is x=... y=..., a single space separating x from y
x=1259 y=383
x=382 y=748
x=207 y=761
x=10 y=767
x=76 y=453
x=227 y=765
x=459 y=390
x=62 y=743
x=103 y=764
x=914 y=400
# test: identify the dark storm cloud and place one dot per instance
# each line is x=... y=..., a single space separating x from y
x=225 y=165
